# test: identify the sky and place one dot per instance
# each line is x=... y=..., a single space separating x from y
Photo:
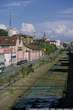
x=55 y=17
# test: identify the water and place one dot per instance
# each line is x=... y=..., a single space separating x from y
x=44 y=102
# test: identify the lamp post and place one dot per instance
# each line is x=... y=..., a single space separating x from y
x=11 y=55
x=29 y=55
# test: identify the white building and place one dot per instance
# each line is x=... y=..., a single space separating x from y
x=12 y=31
x=58 y=43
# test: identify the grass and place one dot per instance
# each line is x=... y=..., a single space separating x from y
x=53 y=80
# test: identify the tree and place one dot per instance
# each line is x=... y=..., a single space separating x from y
x=3 y=32
x=26 y=70
x=47 y=48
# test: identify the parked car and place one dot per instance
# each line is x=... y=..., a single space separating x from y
x=21 y=62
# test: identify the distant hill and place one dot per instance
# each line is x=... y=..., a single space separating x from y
x=3 y=32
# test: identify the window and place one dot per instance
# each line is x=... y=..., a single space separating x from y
x=19 y=48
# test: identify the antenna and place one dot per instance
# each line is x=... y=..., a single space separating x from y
x=10 y=19
x=44 y=34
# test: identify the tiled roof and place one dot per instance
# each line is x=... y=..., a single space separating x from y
x=4 y=40
x=27 y=36
x=52 y=41
x=33 y=46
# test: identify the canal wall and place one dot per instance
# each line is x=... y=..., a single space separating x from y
x=67 y=100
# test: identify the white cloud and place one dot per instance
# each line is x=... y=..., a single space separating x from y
x=67 y=11
x=2 y=26
x=61 y=29
x=17 y=3
x=64 y=28
x=66 y=14
x=27 y=28
x=12 y=4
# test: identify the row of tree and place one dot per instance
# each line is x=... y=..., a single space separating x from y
x=47 y=48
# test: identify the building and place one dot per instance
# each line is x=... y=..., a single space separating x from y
x=32 y=52
x=12 y=31
x=9 y=49
x=13 y=49
x=27 y=38
x=58 y=43
x=52 y=42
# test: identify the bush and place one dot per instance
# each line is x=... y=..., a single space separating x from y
x=26 y=70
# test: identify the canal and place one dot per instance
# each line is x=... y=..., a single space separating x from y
x=47 y=90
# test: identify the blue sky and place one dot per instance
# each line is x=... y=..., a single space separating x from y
x=55 y=17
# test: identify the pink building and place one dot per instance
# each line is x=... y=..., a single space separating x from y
x=9 y=47
x=13 y=50
x=32 y=52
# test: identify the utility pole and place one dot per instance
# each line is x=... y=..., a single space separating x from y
x=10 y=24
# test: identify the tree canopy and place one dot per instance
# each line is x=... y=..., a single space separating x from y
x=47 y=48
x=3 y=32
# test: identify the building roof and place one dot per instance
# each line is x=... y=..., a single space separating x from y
x=32 y=46
x=52 y=41
x=23 y=35
x=4 y=40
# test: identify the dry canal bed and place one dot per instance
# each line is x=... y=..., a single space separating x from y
x=46 y=91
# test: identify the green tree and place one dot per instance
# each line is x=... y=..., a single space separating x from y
x=47 y=48
x=26 y=70
x=3 y=32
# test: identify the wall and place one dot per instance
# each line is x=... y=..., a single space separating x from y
x=32 y=55
x=2 y=59
x=7 y=59
x=26 y=56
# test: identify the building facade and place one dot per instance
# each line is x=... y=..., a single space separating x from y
x=13 y=50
